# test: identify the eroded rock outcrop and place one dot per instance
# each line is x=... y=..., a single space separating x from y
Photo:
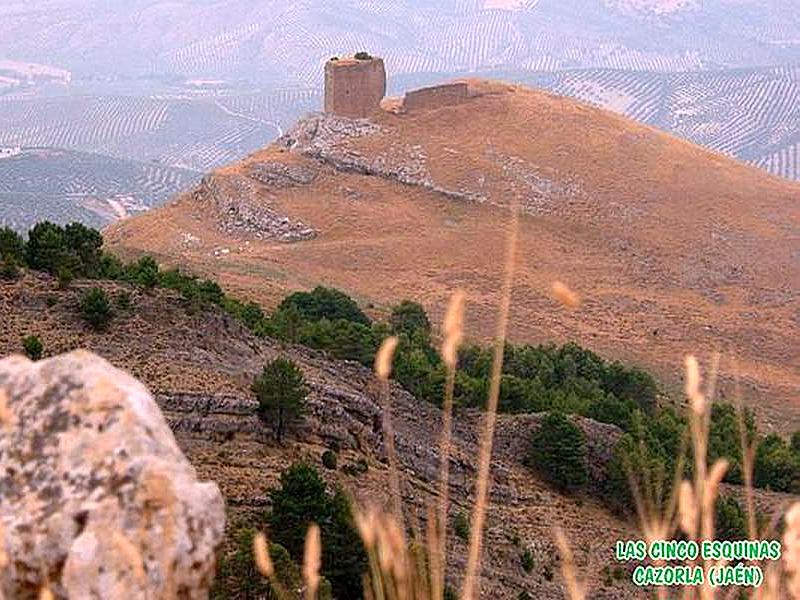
x=96 y=499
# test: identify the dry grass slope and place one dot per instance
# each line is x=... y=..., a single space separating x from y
x=677 y=248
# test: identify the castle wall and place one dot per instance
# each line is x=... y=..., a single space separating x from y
x=436 y=96
x=354 y=88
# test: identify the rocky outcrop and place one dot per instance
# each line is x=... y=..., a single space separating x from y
x=97 y=499
x=240 y=210
x=325 y=137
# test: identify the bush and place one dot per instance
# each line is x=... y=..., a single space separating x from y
x=724 y=439
x=238 y=577
x=526 y=559
x=144 y=272
x=730 y=519
x=9 y=271
x=301 y=500
x=329 y=460
x=123 y=300
x=796 y=442
x=776 y=467
x=64 y=277
x=363 y=55
x=357 y=468
x=558 y=451
x=281 y=392
x=409 y=318
x=96 y=309
x=325 y=303
x=33 y=347
x=12 y=245
x=46 y=248
x=461 y=526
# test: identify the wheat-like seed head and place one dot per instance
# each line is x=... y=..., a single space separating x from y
x=687 y=509
x=312 y=560
x=566 y=296
x=261 y=553
x=453 y=329
x=383 y=359
x=696 y=398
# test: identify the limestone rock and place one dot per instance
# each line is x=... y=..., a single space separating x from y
x=96 y=498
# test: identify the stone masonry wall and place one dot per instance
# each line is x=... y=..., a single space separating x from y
x=354 y=88
x=436 y=96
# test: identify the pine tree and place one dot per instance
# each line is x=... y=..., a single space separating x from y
x=558 y=451
x=281 y=392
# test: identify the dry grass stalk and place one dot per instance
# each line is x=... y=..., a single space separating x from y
x=384 y=357
x=453 y=329
x=485 y=456
x=453 y=336
x=312 y=561
x=574 y=588
x=565 y=295
x=383 y=369
x=261 y=553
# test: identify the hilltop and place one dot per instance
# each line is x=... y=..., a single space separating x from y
x=674 y=248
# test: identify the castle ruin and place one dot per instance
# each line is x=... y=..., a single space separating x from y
x=354 y=87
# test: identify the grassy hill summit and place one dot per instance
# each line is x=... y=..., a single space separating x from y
x=674 y=248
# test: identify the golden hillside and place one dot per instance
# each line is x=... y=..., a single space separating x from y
x=673 y=248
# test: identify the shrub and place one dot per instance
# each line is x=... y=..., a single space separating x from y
x=724 y=439
x=96 y=309
x=357 y=468
x=558 y=451
x=83 y=245
x=409 y=317
x=281 y=392
x=329 y=460
x=776 y=466
x=325 y=303
x=301 y=500
x=461 y=526
x=46 y=248
x=9 y=271
x=238 y=577
x=363 y=55
x=796 y=442
x=33 y=347
x=730 y=519
x=145 y=272
x=51 y=300
x=526 y=559
x=12 y=245
x=64 y=277
x=123 y=300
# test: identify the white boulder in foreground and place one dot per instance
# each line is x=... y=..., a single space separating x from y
x=96 y=499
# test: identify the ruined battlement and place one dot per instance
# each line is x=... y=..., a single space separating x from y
x=436 y=96
x=354 y=87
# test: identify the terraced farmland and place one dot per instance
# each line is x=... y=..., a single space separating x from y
x=751 y=114
x=64 y=186
x=196 y=133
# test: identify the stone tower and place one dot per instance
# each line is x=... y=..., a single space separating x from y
x=354 y=87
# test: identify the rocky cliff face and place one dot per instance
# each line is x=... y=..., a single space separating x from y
x=98 y=500
x=199 y=367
